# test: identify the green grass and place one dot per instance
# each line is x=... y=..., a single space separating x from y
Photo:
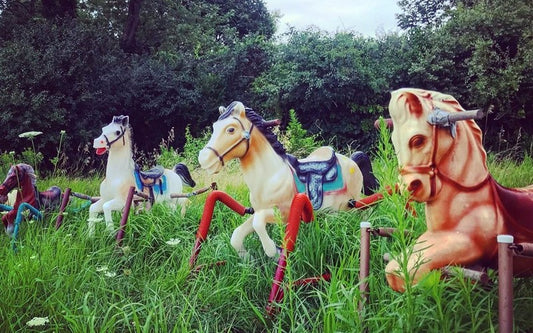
x=90 y=285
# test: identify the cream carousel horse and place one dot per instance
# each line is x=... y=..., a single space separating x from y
x=274 y=177
x=443 y=163
x=122 y=173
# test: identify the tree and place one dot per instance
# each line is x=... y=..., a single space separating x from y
x=424 y=13
x=330 y=81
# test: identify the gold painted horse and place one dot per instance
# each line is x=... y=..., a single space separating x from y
x=443 y=163
x=274 y=177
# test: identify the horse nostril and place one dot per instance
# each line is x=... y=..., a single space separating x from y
x=414 y=185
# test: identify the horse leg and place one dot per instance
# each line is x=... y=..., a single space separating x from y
x=109 y=207
x=433 y=250
x=261 y=218
x=239 y=234
x=94 y=209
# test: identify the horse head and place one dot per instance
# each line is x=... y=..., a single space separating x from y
x=112 y=133
x=17 y=176
x=230 y=139
x=432 y=146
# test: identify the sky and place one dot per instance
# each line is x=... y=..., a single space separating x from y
x=367 y=17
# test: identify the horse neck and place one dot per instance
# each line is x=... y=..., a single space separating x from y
x=261 y=162
x=120 y=159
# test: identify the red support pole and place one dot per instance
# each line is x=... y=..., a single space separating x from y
x=364 y=266
x=207 y=216
x=505 y=283
x=125 y=214
x=64 y=203
x=301 y=210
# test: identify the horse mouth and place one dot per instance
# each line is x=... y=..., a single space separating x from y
x=208 y=162
x=101 y=151
x=211 y=169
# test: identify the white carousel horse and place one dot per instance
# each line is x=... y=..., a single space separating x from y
x=443 y=164
x=122 y=173
x=274 y=177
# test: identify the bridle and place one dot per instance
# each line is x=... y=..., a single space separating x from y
x=246 y=134
x=121 y=135
x=432 y=170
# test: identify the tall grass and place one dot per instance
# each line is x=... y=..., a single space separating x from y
x=89 y=285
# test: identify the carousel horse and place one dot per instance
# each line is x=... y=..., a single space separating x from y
x=274 y=177
x=122 y=173
x=22 y=178
x=443 y=164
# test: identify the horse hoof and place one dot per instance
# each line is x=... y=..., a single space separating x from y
x=9 y=229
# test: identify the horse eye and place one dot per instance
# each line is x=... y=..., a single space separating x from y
x=117 y=132
x=417 y=141
x=230 y=130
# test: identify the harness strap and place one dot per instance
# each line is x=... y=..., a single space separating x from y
x=246 y=135
x=432 y=171
x=121 y=135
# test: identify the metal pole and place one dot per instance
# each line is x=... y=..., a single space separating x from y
x=207 y=216
x=64 y=203
x=125 y=214
x=364 y=263
x=505 y=283
x=301 y=210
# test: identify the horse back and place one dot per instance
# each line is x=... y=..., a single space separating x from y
x=517 y=206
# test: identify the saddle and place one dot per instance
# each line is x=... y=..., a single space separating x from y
x=49 y=199
x=152 y=179
x=316 y=177
x=517 y=205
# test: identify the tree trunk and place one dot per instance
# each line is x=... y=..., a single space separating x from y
x=128 y=43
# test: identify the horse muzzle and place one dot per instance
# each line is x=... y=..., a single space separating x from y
x=100 y=144
x=422 y=186
x=209 y=161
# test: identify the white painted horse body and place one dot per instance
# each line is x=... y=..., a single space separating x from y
x=120 y=175
x=242 y=134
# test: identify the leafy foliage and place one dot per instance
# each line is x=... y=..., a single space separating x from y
x=63 y=68
x=296 y=139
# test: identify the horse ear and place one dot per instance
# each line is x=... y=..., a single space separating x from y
x=125 y=121
x=221 y=109
x=239 y=109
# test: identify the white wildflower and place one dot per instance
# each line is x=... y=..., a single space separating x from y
x=30 y=134
x=173 y=241
x=38 y=321
x=110 y=274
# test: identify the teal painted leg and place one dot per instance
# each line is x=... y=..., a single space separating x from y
x=18 y=219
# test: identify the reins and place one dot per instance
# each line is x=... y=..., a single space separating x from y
x=244 y=137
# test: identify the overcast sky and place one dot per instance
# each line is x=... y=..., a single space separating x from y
x=363 y=16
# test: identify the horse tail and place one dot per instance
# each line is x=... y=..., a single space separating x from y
x=181 y=170
x=370 y=183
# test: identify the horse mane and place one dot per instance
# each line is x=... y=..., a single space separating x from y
x=258 y=122
x=28 y=170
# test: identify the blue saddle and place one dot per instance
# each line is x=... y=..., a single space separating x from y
x=153 y=179
x=316 y=177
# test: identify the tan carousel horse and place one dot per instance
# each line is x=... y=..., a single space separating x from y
x=274 y=177
x=443 y=163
